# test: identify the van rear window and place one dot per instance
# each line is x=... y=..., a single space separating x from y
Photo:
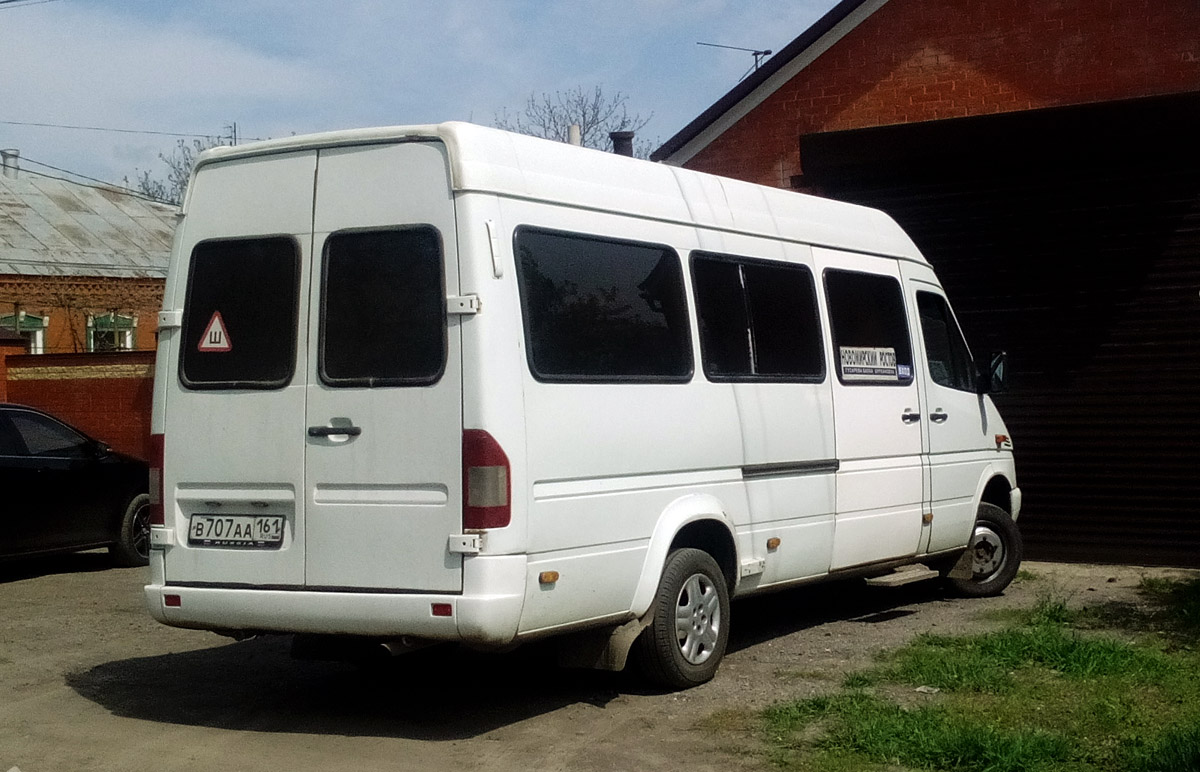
x=383 y=308
x=240 y=314
x=602 y=310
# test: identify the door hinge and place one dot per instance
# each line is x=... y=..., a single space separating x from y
x=465 y=544
x=169 y=319
x=465 y=305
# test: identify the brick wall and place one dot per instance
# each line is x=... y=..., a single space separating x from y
x=68 y=300
x=105 y=395
x=919 y=60
x=8 y=347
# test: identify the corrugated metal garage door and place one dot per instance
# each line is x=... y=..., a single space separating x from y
x=1071 y=238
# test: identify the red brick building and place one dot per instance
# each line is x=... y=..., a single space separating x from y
x=1044 y=156
x=81 y=268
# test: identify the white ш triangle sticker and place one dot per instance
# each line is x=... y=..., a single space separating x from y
x=215 y=337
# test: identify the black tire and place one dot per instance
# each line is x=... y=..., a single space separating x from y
x=132 y=547
x=996 y=550
x=686 y=640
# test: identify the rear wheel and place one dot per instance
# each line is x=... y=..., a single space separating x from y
x=996 y=551
x=686 y=640
x=132 y=547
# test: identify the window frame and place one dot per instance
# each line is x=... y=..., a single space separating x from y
x=31 y=327
x=949 y=318
x=748 y=305
x=687 y=352
x=833 y=333
x=368 y=382
x=123 y=329
x=185 y=329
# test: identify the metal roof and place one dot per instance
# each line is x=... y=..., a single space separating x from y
x=56 y=228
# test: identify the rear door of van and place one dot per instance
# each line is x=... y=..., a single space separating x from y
x=383 y=427
x=313 y=435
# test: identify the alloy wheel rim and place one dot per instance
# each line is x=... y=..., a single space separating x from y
x=697 y=619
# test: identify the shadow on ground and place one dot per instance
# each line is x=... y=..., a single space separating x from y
x=438 y=694
x=19 y=569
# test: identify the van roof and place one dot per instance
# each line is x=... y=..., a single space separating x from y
x=490 y=160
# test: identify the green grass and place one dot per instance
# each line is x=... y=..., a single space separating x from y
x=1048 y=692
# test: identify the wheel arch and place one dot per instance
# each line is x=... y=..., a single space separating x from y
x=696 y=520
x=997 y=490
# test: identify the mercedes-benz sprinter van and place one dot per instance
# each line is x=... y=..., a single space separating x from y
x=449 y=383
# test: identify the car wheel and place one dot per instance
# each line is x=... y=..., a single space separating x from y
x=684 y=644
x=996 y=550
x=132 y=547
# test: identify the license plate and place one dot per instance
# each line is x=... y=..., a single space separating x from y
x=247 y=531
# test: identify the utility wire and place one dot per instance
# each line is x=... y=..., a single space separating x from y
x=105 y=128
x=102 y=186
x=22 y=3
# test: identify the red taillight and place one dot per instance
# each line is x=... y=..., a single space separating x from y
x=487 y=490
x=156 y=485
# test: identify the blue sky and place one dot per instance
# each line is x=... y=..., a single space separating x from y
x=278 y=67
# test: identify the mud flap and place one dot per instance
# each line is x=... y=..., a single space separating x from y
x=603 y=649
x=962 y=567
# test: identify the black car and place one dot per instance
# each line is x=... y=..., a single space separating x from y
x=62 y=491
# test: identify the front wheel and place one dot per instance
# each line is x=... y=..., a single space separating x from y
x=132 y=547
x=996 y=550
x=686 y=640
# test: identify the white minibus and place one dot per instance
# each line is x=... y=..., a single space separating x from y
x=448 y=383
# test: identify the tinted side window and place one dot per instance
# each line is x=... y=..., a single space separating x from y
x=240 y=314
x=757 y=320
x=383 y=308
x=602 y=309
x=870 y=335
x=45 y=437
x=950 y=362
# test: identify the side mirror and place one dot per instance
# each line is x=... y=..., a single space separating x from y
x=101 y=449
x=994 y=379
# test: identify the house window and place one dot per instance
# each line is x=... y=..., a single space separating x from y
x=31 y=328
x=111 y=332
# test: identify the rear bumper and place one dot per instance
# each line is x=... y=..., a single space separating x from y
x=486 y=614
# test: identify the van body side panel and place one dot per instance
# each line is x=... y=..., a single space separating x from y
x=606 y=459
x=237 y=451
x=880 y=483
x=382 y=503
x=787 y=435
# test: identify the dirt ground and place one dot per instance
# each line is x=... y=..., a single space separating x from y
x=89 y=682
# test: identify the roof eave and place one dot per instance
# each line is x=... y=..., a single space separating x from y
x=815 y=40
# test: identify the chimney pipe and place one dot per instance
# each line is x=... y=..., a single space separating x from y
x=622 y=142
x=574 y=135
x=10 y=157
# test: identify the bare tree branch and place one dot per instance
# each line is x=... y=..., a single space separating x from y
x=550 y=116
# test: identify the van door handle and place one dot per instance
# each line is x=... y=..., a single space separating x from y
x=333 y=431
x=939 y=416
x=909 y=417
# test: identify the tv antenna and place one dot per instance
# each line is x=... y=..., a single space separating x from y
x=759 y=54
